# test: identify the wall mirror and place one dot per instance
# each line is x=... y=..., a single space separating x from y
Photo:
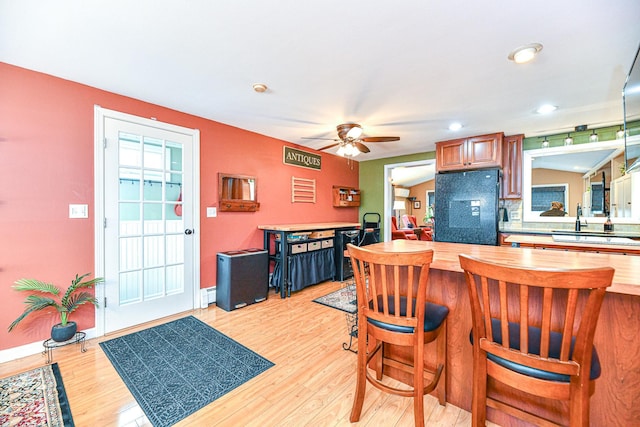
x=237 y=193
x=573 y=174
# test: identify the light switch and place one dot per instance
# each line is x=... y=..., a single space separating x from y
x=78 y=211
x=212 y=212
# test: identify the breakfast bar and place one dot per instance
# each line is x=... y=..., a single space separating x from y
x=617 y=391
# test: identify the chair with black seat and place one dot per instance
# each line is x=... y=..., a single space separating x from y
x=391 y=289
x=552 y=313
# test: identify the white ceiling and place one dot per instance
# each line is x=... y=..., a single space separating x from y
x=405 y=68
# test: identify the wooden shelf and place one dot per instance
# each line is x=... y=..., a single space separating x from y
x=345 y=197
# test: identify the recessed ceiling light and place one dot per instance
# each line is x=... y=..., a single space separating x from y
x=455 y=126
x=260 y=87
x=546 y=109
x=525 y=53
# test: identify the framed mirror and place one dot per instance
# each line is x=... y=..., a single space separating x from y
x=574 y=174
x=237 y=193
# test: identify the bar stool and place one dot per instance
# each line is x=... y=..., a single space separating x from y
x=533 y=331
x=391 y=292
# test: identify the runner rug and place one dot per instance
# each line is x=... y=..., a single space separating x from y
x=35 y=398
x=177 y=368
x=344 y=299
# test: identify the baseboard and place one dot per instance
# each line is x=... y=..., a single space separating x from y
x=33 y=348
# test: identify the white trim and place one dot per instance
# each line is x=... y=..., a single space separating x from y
x=100 y=114
x=33 y=348
x=389 y=195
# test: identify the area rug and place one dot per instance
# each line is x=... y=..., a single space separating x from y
x=35 y=398
x=176 y=368
x=343 y=299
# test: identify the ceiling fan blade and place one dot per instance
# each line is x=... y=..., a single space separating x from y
x=328 y=146
x=363 y=148
x=380 y=138
x=327 y=139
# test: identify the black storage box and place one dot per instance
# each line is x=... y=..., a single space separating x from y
x=242 y=278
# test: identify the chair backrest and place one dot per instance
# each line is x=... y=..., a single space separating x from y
x=409 y=221
x=391 y=287
x=394 y=223
x=517 y=312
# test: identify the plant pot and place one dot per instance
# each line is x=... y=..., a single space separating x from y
x=61 y=333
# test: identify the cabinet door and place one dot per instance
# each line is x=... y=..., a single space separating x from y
x=512 y=167
x=625 y=200
x=484 y=151
x=450 y=155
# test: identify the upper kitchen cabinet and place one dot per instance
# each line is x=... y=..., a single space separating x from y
x=470 y=153
x=512 y=167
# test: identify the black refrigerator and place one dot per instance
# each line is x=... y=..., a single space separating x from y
x=466 y=207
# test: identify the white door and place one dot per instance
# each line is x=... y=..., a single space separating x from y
x=148 y=222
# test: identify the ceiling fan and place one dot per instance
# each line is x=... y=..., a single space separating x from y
x=350 y=140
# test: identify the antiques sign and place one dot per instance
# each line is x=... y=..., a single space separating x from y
x=294 y=157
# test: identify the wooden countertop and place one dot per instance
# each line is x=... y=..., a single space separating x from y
x=548 y=240
x=310 y=226
x=626 y=280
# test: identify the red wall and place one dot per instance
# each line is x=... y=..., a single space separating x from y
x=46 y=150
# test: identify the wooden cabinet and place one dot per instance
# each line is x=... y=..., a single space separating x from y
x=512 y=167
x=622 y=201
x=469 y=153
x=345 y=197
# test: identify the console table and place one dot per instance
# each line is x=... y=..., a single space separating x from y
x=283 y=233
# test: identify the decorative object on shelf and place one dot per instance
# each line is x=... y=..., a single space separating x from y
x=416 y=204
x=45 y=295
x=345 y=196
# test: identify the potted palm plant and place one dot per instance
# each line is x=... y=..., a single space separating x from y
x=47 y=296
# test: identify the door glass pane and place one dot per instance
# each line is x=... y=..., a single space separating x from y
x=130 y=287
x=153 y=283
x=130 y=253
x=129 y=150
x=153 y=251
x=175 y=248
x=129 y=184
x=175 y=279
x=152 y=188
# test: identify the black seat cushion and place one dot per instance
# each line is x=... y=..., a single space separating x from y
x=434 y=315
x=534 y=348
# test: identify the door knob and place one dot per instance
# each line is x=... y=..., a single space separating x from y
x=188 y=231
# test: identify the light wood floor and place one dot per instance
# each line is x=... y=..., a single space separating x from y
x=311 y=384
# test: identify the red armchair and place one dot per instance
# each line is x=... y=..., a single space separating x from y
x=405 y=233
x=424 y=233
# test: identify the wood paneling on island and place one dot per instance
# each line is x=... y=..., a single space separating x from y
x=616 y=337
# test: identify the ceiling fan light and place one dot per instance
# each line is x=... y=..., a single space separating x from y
x=341 y=151
x=355 y=132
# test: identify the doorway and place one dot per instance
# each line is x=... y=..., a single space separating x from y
x=147 y=248
x=426 y=170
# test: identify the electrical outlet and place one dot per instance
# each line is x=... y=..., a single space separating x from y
x=212 y=212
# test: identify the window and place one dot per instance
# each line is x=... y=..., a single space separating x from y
x=543 y=195
x=597 y=198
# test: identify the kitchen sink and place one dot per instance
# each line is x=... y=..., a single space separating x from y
x=582 y=238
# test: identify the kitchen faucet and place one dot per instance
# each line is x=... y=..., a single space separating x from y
x=579 y=225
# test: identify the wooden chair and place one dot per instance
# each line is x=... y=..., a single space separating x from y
x=560 y=361
x=391 y=291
